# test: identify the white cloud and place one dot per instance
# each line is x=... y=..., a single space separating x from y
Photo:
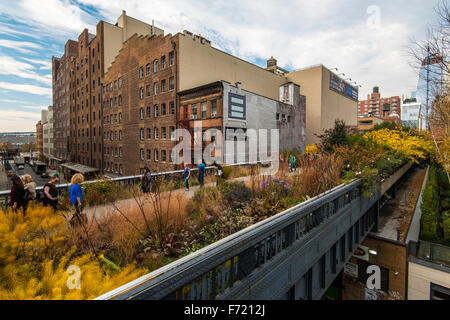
x=46 y=64
x=27 y=88
x=14 y=120
x=21 y=46
x=10 y=66
x=297 y=33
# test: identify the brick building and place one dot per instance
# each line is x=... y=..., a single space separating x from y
x=387 y=109
x=77 y=88
x=39 y=138
x=139 y=106
x=61 y=82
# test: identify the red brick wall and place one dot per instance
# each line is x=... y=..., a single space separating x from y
x=137 y=53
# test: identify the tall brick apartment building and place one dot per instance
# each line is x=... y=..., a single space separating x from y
x=139 y=115
x=387 y=109
x=62 y=80
x=77 y=88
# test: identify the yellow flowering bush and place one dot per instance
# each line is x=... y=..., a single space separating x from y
x=312 y=148
x=416 y=147
x=38 y=260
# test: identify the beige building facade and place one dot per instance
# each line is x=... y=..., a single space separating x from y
x=323 y=104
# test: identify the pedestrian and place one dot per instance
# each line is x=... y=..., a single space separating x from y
x=201 y=173
x=50 y=192
x=186 y=176
x=293 y=163
x=219 y=173
x=147 y=181
x=76 y=198
x=30 y=187
x=290 y=162
x=17 y=195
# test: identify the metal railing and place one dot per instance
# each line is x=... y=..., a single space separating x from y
x=212 y=271
x=4 y=194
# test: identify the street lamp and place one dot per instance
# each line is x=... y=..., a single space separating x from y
x=334 y=69
x=341 y=74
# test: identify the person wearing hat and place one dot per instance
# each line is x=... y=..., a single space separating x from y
x=50 y=192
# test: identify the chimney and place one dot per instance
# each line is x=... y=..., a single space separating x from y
x=272 y=62
x=238 y=85
x=376 y=90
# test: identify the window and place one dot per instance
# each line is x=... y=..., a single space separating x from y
x=163 y=109
x=155 y=88
x=120 y=117
x=142 y=154
x=171 y=83
x=120 y=169
x=163 y=155
x=163 y=62
x=155 y=66
x=147 y=69
x=148 y=90
x=194 y=111
x=278 y=116
x=115 y=84
x=203 y=108
x=163 y=133
x=172 y=133
x=149 y=154
x=236 y=105
x=172 y=107
x=213 y=108
x=149 y=133
x=149 y=112
x=155 y=110
x=120 y=82
x=163 y=85
x=156 y=155
x=141 y=113
x=141 y=93
x=141 y=72
x=142 y=133
x=156 y=134
x=120 y=134
x=120 y=100
x=171 y=54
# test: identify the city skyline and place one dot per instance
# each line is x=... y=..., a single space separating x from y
x=30 y=36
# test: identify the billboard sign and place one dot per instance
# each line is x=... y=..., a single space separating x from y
x=339 y=85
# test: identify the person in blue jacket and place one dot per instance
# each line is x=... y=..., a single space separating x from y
x=201 y=173
x=76 y=196
x=186 y=176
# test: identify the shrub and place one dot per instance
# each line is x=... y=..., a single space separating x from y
x=227 y=172
x=446 y=226
x=235 y=194
x=430 y=208
x=35 y=253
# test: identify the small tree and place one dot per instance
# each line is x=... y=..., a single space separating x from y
x=337 y=136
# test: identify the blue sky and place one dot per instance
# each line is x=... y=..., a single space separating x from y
x=366 y=40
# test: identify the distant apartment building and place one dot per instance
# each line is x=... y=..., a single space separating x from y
x=61 y=82
x=368 y=123
x=387 y=109
x=39 y=138
x=47 y=131
x=411 y=113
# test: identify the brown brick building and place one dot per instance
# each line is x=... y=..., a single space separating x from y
x=61 y=82
x=387 y=109
x=39 y=138
x=77 y=88
x=139 y=112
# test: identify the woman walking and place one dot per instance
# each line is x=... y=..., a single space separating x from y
x=51 y=193
x=17 y=193
x=147 y=181
x=76 y=197
x=30 y=187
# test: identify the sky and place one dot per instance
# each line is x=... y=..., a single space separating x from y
x=365 y=40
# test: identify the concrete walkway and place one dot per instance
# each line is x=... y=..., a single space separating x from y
x=128 y=204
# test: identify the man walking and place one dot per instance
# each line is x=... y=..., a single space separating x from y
x=186 y=176
x=201 y=173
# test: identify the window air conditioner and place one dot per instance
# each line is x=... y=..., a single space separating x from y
x=213 y=114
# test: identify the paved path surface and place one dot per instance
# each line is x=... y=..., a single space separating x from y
x=101 y=210
x=397 y=212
